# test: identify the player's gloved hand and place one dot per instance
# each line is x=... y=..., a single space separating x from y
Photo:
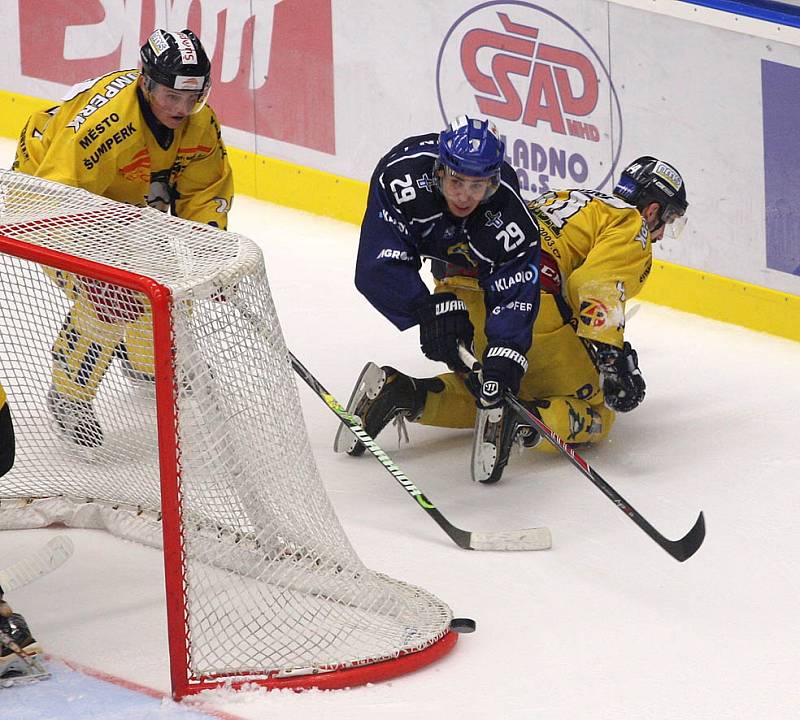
x=443 y=324
x=112 y=303
x=620 y=379
x=503 y=369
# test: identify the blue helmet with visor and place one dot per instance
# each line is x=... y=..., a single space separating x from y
x=473 y=148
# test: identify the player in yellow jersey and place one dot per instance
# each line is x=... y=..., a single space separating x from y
x=145 y=137
x=596 y=255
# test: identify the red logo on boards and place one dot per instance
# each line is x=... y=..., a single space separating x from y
x=262 y=81
x=552 y=95
x=543 y=83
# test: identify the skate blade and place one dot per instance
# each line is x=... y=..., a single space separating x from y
x=484 y=457
x=30 y=671
x=370 y=382
x=23 y=679
x=484 y=454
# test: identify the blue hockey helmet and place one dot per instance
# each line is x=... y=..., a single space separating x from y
x=471 y=147
x=647 y=180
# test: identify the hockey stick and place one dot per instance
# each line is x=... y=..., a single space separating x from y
x=44 y=560
x=527 y=539
x=631 y=311
x=681 y=549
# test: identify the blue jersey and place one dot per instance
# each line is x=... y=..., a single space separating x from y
x=407 y=220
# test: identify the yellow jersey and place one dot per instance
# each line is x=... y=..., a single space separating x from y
x=602 y=247
x=99 y=139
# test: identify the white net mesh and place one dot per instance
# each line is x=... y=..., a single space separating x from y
x=272 y=584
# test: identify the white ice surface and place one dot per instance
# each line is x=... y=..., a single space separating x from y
x=605 y=625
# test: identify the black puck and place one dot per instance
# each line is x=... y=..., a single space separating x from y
x=462 y=625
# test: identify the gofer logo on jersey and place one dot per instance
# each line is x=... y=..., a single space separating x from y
x=545 y=85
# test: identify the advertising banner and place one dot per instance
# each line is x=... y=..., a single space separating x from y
x=577 y=88
x=544 y=82
x=264 y=82
x=781 y=90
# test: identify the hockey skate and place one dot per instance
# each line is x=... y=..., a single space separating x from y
x=380 y=396
x=75 y=418
x=497 y=430
x=22 y=663
x=17 y=669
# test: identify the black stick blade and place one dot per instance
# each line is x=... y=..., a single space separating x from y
x=690 y=543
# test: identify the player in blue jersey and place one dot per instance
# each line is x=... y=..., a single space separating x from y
x=450 y=198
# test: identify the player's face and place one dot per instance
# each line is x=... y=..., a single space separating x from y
x=463 y=193
x=172 y=107
x=660 y=223
x=652 y=216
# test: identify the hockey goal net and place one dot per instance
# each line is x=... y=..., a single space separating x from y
x=152 y=396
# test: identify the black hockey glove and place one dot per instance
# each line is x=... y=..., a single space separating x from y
x=503 y=369
x=443 y=324
x=620 y=379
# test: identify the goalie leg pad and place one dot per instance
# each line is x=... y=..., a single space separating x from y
x=129 y=369
x=81 y=356
x=7 y=441
x=137 y=355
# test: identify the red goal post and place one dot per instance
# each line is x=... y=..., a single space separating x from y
x=127 y=321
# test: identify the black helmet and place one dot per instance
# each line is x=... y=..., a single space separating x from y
x=647 y=180
x=177 y=60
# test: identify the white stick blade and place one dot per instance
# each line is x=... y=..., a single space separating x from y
x=54 y=554
x=528 y=539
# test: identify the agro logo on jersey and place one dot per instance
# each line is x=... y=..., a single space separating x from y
x=543 y=82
